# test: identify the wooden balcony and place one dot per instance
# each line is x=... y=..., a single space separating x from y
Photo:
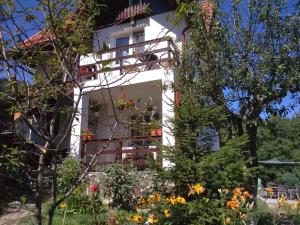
x=147 y=55
x=133 y=11
x=121 y=153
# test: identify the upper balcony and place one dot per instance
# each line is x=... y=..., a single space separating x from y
x=133 y=58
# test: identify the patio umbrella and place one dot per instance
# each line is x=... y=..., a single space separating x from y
x=277 y=162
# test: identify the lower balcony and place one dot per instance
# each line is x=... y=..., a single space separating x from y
x=134 y=150
x=137 y=111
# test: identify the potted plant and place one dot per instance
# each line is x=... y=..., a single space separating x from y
x=155 y=128
x=130 y=103
x=122 y=103
x=87 y=135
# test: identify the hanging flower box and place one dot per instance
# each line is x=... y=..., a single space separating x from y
x=87 y=135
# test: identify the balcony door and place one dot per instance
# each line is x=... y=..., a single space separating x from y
x=121 y=42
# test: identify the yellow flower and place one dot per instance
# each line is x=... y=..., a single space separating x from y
x=142 y=201
x=152 y=219
x=180 y=200
x=167 y=213
x=281 y=201
x=242 y=216
x=233 y=204
x=172 y=200
x=63 y=205
x=196 y=188
x=227 y=220
x=135 y=218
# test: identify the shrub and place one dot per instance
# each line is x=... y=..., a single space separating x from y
x=119 y=184
x=68 y=173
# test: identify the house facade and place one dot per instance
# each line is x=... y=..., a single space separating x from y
x=128 y=98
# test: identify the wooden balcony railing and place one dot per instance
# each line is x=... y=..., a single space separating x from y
x=121 y=153
x=133 y=58
x=133 y=11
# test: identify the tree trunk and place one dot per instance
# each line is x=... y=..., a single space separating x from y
x=38 y=194
x=53 y=192
x=252 y=153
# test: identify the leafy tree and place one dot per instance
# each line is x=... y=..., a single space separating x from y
x=41 y=74
x=247 y=61
x=279 y=138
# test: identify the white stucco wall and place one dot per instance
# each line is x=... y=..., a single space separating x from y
x=154 y=27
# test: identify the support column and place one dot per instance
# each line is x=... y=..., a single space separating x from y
x=168 y=99
x=80 y=122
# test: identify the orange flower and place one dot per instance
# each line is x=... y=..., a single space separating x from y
x=154 y=198
x=269 y=190
x=237 y=191
x=233 y=204
x=246 y=195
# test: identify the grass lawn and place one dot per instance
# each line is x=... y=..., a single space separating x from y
x=80 y=219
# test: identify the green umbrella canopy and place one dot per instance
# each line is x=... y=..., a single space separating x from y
x=276 y=161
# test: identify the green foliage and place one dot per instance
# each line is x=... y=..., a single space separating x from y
x=225 y=168
x=119 y=184
x=289 y=179
x=279 y=138
x=68 y=174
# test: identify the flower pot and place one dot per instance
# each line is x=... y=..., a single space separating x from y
x=156 y=132
x=88 y=137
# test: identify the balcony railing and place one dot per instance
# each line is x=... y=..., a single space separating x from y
x=127 y=150
x=133 y=58
x=133 y=11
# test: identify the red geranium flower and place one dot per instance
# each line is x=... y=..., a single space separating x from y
x=94 y=187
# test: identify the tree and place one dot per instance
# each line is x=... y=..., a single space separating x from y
x=248 y=61
x=41 y=73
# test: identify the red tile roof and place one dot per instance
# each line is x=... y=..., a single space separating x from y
x=133 y=11
x=41 y=37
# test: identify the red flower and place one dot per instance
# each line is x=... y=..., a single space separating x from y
x=130 y=102
x=94 y=187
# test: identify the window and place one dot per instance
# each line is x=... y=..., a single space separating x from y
x=139 y=37
x=120 y=42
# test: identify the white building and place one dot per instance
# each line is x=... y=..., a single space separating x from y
x=131 y=63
